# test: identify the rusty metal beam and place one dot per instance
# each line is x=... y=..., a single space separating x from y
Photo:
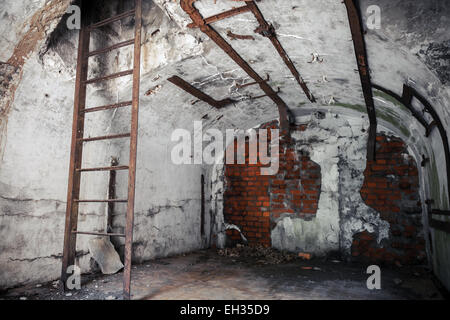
x=438 y=123
x=199 y=94
x=267 y=30
x=188 y=7
x=405 y=99
x=221 y=16
x=357 y=31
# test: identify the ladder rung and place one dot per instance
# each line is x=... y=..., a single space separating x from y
x=116 y=136
x=106 y=200
x=112 y=19
x=111 y=76
x=113 y=47
x=104 y=169
x=104 y=234
x=109 y=106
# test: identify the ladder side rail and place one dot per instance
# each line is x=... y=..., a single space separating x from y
x=133 y=152
x=76 y=152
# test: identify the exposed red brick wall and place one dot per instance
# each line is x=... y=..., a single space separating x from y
x=391 y=186
x=254 y=202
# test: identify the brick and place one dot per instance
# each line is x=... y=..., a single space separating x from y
x=402 y=186
x=380 y=168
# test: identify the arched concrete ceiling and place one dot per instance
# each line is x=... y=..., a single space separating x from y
x=303 y=28
x=412 y=45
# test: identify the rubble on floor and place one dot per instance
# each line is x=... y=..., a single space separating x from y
x=263 y=255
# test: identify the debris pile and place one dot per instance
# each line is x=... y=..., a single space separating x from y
x=258 y=252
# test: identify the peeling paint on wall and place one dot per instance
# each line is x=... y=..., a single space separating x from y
x=337 y=144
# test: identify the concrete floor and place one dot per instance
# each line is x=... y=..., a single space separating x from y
x=207 y=275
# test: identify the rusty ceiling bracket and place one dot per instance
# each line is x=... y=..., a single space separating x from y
x=199 y=94
x=267 y=30
x=220 y=16
x=354 y=17
x=284 y=112
x=234 y=36
x=406 y=99
x=240 y=86
x=438 y=123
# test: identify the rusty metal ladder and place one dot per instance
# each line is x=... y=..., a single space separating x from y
x=78 y=140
